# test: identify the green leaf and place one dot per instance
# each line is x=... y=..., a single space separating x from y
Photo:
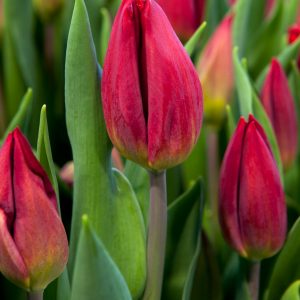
x=285 y=57
x=96 y=276
x=270 y=34
x=20 y=116
x=290 y=12
x=104 y=34
x=63 y=286
x=286 y=271
x=19 y=26
x=293 y=292
x=192 y=43
x=86 y=128
x=140 y=182
x=44 y=153
x=183 y=243
x=243 y=86
x=231 y=124
x=107 y=197
x=248 y=17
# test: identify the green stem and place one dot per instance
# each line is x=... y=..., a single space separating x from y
x=254 y=280
x=157 y=232
x=35 y=295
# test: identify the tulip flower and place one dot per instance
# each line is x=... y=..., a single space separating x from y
x=33 y=242
x=47 y=9
x=184 y=15
x=293 y=35
x=252 y=207
x=215 y=70
x=151 y=94
x=279 y=105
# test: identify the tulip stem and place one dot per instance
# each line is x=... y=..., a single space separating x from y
x=254 y=280
x=157 y=232
x=35 y=295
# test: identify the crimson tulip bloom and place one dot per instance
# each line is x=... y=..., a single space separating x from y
x=279 y=104
x=33 y=242
x=184 y=15
x=215 y=69
x=151 y=94
x=252 y=207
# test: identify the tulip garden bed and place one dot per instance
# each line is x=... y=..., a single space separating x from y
x=149 y=149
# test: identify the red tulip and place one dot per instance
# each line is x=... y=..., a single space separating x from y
x=252 y=206
x=33 y=242
x=215 y=70
x=184 y=15
x=151 y=93
x=293 y=35
x=279 y=104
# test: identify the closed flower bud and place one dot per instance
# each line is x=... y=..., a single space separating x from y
x=151 y=93
x=184 y=15
x=293 y=35
x=215 y=69
x=279 y=105
x=252 y=207
x=33 y=242
x=47 y=9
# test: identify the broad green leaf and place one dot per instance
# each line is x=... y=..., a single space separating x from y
x=286 y=269
x=96 y=276
x=126 y=237
x=20 y=116
x=86 y=128
x=293 y=292
x=14 y=85
x=290 y=12
x=243 y=86
x=270 y=34
x=247 y=18
x=104 y=34
x=285 y=57
x=183 y=242
x=106 y=196
x=63 y=286
x=192 y=43
x=140 y=182
x=44 y=153
x=19 y=26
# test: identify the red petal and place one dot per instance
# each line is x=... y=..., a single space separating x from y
x=229 y=186
x=262 y=211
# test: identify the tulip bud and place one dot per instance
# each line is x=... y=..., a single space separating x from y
x=184 y=15
x=47 y=9
x=252 y=207
x=33 y=242
x=215 y=69
x=293 y=35
x=151 y=94
x=279 y=105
